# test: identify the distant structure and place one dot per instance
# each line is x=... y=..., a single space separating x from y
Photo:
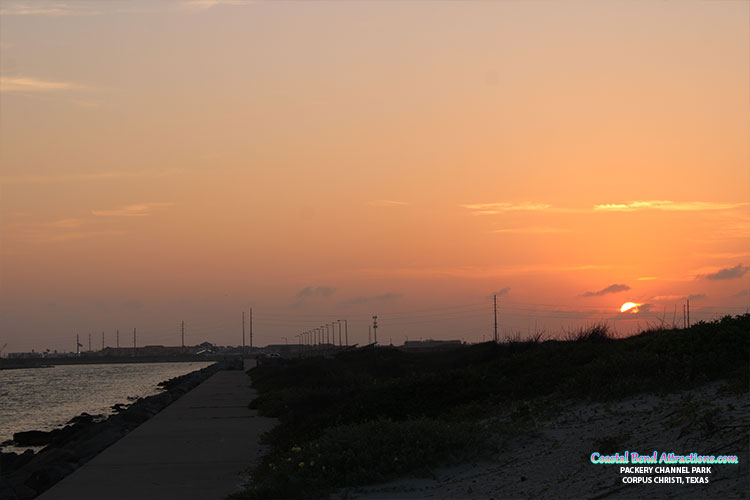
x=431 y=345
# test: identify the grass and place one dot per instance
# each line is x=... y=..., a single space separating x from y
x=373 y=414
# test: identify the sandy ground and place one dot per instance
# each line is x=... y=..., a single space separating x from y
x=546 y=451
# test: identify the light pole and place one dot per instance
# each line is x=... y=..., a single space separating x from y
x=339 y=322
x=346 y=333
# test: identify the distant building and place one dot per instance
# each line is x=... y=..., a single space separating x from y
x=431 y=345
x=24 y=355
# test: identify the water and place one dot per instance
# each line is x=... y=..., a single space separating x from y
x=46 y=398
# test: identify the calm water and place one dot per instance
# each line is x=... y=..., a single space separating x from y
x=45 y=398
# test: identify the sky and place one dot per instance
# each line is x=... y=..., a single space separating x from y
x=320 y=161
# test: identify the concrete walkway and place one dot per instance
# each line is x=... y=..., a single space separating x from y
x=196 y=448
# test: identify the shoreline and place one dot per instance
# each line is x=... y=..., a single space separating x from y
x=26 y=475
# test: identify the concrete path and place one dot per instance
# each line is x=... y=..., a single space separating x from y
x=196 y=448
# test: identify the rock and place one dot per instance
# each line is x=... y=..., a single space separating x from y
x=85 y=418
x=31 y=438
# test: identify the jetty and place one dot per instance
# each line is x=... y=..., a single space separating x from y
x=196 y=448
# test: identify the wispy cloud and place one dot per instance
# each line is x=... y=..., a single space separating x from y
x=672 y=298
x=29 y=84
x=44 y=236
x=531 y=230
x=41 y=179
x=38 y=8
x=729 y=273
x=481 y=272
x=139 y=210
x=501 y=207
x=725 y=255
x=321 y=291
x=604 y=291
x=387 y=203
x=81 y=235
x=207 y=4
x=501 y=292
x=67 y=223
x=673 y=206
x=386 y=297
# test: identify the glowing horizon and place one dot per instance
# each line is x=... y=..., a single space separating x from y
x=334 y=161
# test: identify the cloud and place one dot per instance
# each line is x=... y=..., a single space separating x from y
x=640 y=311
x=737 y=271
x=501 y=207
x=67 y=223
x=743 y=293
x=40 y=179
x=481 y=271
x=531 y=230
x=139 y=210
x=81 y=235
x=387 y=203
x=38 y=8
x=672 y=298
x=207 y=4
x=672 y=206
x=28 y=84
x=604 y=291
x=321 y=291
x=501 y=292
x=386 y=297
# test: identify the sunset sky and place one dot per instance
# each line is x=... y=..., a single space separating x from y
x=187 y=160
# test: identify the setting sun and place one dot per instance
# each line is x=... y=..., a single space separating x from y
x=629 y=307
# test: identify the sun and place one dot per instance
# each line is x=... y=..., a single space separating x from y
x=629 y=307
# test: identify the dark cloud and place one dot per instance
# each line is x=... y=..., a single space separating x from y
x=501 y=292
x=604 y=291
x=321 y=291
x=642 y=311
x=367 y=300
x=729 y=273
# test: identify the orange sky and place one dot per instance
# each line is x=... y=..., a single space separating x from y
x=187 y=160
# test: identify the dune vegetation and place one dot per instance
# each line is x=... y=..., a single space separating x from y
x=372 y=414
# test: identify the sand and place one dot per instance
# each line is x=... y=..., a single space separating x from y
x=546 y=449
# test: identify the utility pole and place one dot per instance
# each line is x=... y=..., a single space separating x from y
x=339 y=322
x=346 y=333
x=684 y=317
x=495 y=300
x=375 y=328
x=182 y=333
x=688 y=313
x=243 y=331
x=78 y=345
x=251 y=330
